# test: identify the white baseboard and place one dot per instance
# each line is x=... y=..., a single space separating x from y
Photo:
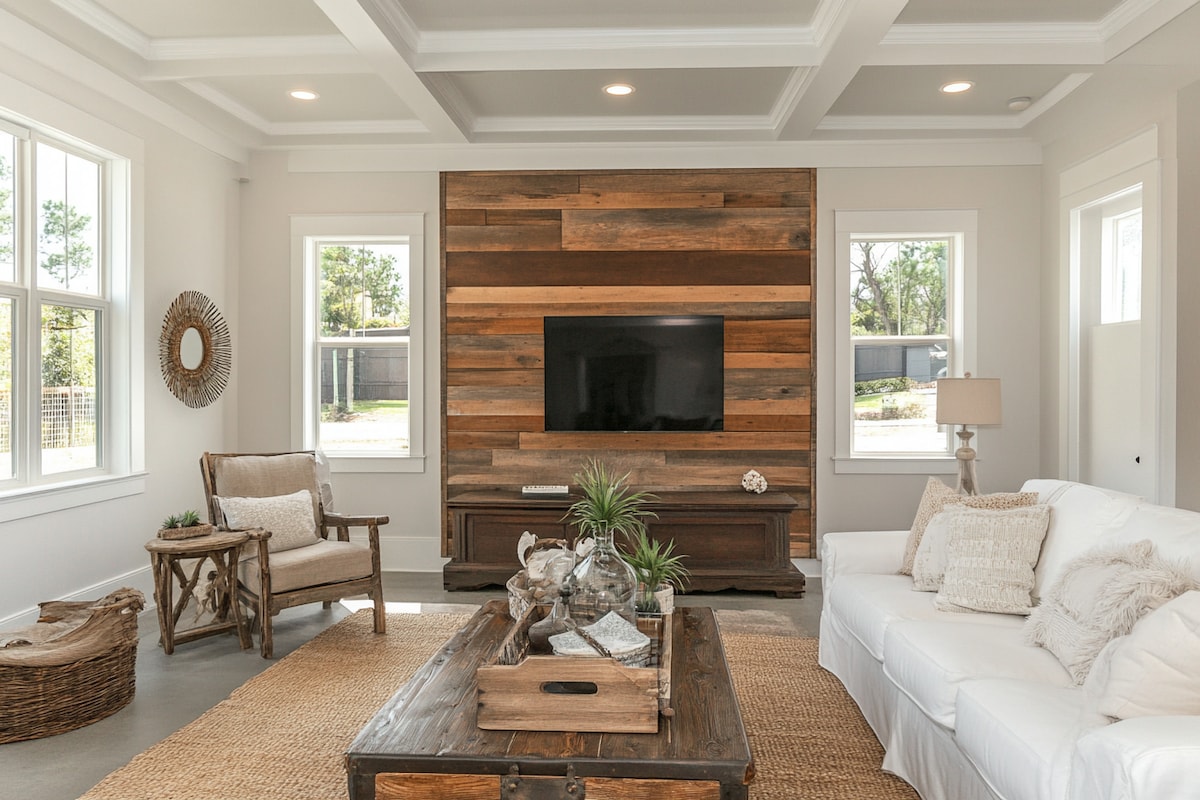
x=141 y=579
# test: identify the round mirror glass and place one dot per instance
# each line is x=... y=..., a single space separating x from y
x=191 y=349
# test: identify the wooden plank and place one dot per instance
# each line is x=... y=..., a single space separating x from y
x=703 y=440
x=525 y=406
x=502 y=237
x=752 y=180
x=631 y=306
x=591 y=199
x=496 y=422
x=760 y=458
x=471 y=440
x=768 y=199
x=758 y=360
x=646 y=268
x=423 y=786
x=588 y=295
x=649 y=479
x=685 y=229
x=793 y=405
x=466 y=216
x=651 y=789
x=775 y=335
x=462 y=188
x=767 y=422
x=487 y=326
x=494 y=377
x=521 y=216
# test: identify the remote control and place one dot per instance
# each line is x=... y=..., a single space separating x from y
x=544 y=491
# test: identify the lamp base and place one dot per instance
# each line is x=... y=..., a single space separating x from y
x=968 y=483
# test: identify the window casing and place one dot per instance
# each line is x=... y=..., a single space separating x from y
x=66 y=422
x=359 y=283
x=904 y=318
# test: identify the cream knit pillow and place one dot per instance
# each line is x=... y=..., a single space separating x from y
x=937 y=496
x=1099 y=596
x=990 y=556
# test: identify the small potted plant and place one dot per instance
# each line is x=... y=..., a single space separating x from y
x=604 y=581
x=184 y=526
x=660 y=573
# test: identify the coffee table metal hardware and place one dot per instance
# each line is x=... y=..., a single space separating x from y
x=515 y=786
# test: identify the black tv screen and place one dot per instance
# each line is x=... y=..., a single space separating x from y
x=660 y=373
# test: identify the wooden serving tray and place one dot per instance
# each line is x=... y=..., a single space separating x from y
x=523 y=692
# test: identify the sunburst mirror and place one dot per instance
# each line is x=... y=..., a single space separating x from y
x=195 y=350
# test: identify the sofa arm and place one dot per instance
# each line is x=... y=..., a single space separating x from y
x=876 y=552
x=1144 y=758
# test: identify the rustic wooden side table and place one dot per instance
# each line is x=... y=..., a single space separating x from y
x=221 y=549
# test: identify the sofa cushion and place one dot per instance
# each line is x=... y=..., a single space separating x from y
x=937 y=496
x=1021 y=735
x=866 y=604
x=1100 y=596
x=1174 y=531
x=990 y=559
x=929 y=660
x=317 y=564
x=288 y=517
x=1153 y=670
x=1082 y=517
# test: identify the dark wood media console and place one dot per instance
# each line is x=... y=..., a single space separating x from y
x=733 y=540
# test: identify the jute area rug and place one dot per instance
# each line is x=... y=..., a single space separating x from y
x=282 y=734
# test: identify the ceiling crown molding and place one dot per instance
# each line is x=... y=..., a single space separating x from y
x=105 y=22
x=249 y=47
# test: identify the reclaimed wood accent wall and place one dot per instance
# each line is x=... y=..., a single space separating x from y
x=519 y=246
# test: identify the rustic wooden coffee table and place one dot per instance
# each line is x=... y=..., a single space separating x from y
x=424 y=743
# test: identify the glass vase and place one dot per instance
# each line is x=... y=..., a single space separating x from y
x=603 y=582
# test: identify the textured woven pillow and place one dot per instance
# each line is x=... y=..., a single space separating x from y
x=937 y=496
x=1099 y=596
x=288 y=517
x=929 y=566
x=990 y=556
x=1152 y=671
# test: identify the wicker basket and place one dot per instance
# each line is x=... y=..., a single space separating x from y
x=72 y=678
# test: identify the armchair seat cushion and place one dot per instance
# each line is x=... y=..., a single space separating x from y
x=314 y=565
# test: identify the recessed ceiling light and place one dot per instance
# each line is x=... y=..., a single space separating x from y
x=618 y=89
x=303 y=94
x=954 y=87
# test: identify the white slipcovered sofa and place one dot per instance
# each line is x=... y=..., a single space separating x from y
x=968 y=709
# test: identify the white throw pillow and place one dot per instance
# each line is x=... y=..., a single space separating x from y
x=929 y=566
x=288 y=517
x=990 y=556
x=938 y=496
x=1151 y=671
x=1100 y=596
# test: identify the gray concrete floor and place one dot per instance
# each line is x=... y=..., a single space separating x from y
x=173 y=690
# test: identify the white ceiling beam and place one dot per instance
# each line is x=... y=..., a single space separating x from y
x=1134 y=20
x=197 y=69
x=855 y=30
x=912 y=45
x=632 y=48
x=382 y=44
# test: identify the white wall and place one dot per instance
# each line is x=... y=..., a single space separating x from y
x=1007 y=333
x=189 y=206
x=412 y=500
x=1187 y=473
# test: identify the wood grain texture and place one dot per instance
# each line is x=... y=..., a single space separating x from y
x=521 y=246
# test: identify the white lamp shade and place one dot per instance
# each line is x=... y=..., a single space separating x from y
x=968 y=401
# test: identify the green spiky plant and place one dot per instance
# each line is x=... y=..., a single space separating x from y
x=187 y=519
x=608 y=504
x=656 y=565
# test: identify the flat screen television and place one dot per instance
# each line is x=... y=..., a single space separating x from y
x=649 y=373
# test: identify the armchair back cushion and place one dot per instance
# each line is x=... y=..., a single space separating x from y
x=267 y=476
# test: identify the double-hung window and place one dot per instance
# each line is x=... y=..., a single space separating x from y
x=903 y=321
x=360 y=284
x=63 y=312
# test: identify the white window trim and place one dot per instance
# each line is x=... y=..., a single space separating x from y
x=123 y=451
x=305 y=229
x=964 y=226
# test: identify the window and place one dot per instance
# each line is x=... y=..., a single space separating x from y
x=901 y=326
x=361 y=284
x=64 y=314
x=1121 y=257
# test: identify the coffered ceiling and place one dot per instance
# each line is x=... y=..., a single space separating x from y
x=458 y=71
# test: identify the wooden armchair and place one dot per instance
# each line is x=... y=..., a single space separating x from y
x=290 y=559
